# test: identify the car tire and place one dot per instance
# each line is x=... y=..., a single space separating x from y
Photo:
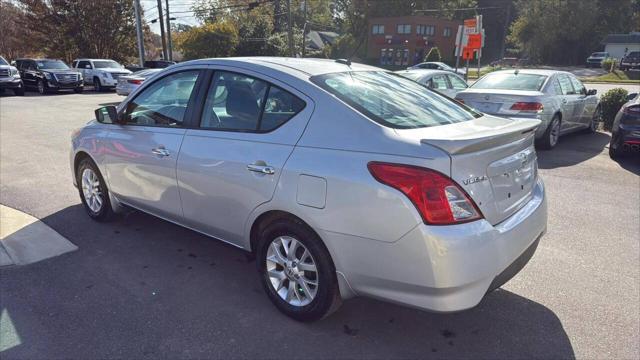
x=42 y=89
x=613 y=153
x=595 y=121
x=551 y=135
x=283 y=277
x=93 y=191
x=78 y=90
x=97 y=85
x=19 y=91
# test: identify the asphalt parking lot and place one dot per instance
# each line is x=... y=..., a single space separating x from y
x=140 y=287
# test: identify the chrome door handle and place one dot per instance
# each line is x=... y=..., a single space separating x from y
x=564 y=101
x=264 y=169
x=160 y=151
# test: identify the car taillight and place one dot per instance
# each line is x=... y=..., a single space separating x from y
x=460 y=101
x=527 y=106
x=632 y=110
x=135 y=81
x=438 y=199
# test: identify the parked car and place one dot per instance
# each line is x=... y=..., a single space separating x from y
x=595 y=60
x=128 y=83
x=630 y=61
x=10 y=78
x=103 y=74
x=436 y=65
x=444 y=82
x=151 y=64
x=46 y=75
x=557 y=98
x=625 y=132
x=510 y=61
x=341 y=178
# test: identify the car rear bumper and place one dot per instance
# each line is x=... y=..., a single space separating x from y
x=626 y=138
x=442 y=268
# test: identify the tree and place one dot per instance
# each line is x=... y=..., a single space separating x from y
x=13 y=34
x=209 y=40
x=565 y=32
x=433 y=55
x=67 y=29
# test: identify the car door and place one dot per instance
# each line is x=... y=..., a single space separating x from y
x=569 y=100
x=28 y=73
x=232 y=161
x=85 y=68
x=585 y=105
x=142 y=150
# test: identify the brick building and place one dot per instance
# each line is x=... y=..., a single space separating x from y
x=406 y=40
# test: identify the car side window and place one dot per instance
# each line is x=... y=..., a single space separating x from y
x=83 y=64
x=237 y=102
x=577 y=85
x=457 y=83
x=74 y=64
x=163 y=103
x=439 y=82
x=565 y=85
x=279 y=108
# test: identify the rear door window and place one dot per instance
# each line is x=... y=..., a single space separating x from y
x=237 y=102
x=457 y=83
x=439 y=82
x=511 y=81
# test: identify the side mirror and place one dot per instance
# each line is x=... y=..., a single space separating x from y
x=592 y=92
x=632 y=96
x=107 y=115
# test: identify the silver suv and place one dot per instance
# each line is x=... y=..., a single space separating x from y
x=101 y=73
x=343 y=179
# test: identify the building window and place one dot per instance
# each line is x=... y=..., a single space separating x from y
x=377 y=30
x=404 y=29
x=428 y=30
x=447 y=32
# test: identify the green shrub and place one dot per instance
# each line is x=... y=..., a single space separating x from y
x=608 y=64
x=433 y=55
x=610 y=104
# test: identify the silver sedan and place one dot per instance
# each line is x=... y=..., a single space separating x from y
x=557 y=98
x=444 y=82
x=343 y=179
x=128 y=83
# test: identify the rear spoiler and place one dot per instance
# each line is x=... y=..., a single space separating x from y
x=486 y=139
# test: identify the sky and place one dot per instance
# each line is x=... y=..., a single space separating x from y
x=182 y=9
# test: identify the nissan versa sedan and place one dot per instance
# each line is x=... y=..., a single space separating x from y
x=343 y=179
x=557 y=98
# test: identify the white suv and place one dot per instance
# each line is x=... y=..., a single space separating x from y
x=101 y=73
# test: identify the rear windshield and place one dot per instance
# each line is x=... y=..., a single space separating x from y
x=413 y=75
x=392 y=100
x=511 y=81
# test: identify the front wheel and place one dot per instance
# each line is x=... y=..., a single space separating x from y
x=296 y=271
x=19 y=91
x=551 y=135
x=93 y=191
x=97 y=85
x=41 y=87
x=78 y=90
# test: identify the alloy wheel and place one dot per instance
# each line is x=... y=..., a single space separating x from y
x=91 y=190
x=40 y=87
x=554 y=134
x=292 y=271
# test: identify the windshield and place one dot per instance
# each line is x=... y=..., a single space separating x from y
x=599 y=54
x=511 y=81
x=106 y=64
x=392 y=100
x=445 y=66
x=413 y=75
x=3 y=61
x=51 y=64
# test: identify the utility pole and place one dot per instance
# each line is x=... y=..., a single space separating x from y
x=164 y=42
x=290 y=30
x=169 y=34
x=136 y=5
x=304 y=30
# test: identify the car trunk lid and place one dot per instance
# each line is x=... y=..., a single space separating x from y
x=492 y=159
x=497 y=102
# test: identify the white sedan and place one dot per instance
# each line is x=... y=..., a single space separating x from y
x=128 y=83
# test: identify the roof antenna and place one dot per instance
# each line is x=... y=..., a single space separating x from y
x=347 y=61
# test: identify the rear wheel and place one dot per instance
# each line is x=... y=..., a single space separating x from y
x=93 y=191
x=296 y=271
x=97 y=85
x=551 y=135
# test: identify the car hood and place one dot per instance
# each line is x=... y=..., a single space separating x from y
x=61 y=71
x=7 y=67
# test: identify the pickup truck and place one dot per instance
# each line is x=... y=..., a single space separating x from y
x=10 y=78
x=103 y=74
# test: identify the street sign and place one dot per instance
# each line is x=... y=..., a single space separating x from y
x=470 y=26
x=467 y=53
x=474 y=41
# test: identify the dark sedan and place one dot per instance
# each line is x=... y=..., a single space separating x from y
x=625 y=133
